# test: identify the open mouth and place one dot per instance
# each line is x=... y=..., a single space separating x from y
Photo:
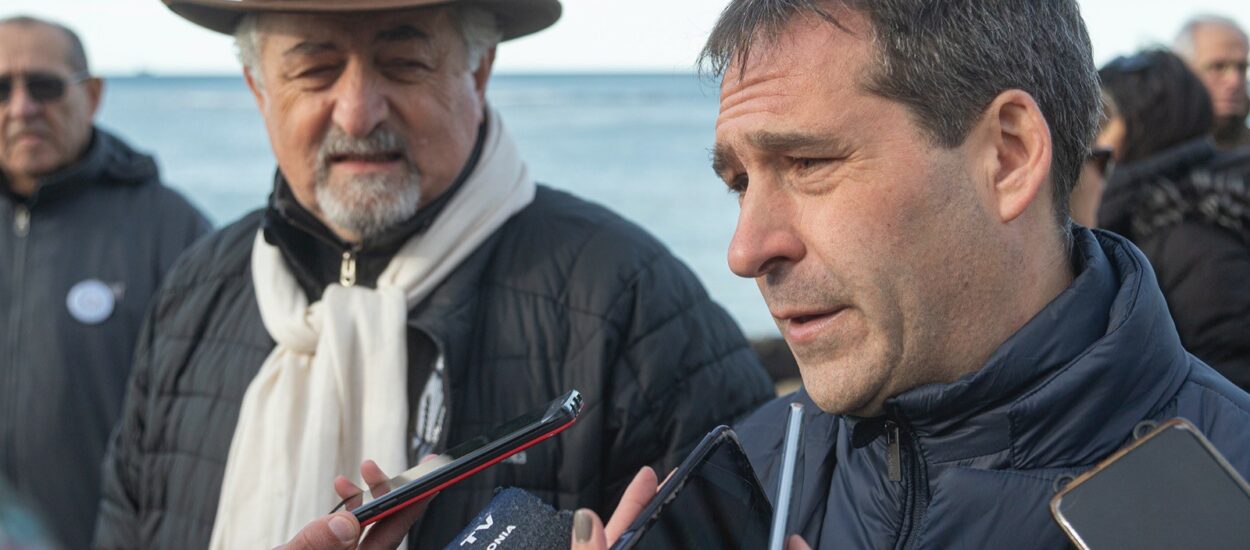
x=370 y=158
x=802 y=328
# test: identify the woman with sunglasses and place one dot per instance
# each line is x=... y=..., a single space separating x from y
x=1185 y=204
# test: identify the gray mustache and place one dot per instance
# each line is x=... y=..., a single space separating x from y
x=380 y=141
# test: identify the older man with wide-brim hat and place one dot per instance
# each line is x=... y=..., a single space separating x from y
x=408 y=287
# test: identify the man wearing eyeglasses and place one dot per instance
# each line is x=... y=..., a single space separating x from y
x=1218 y=51
x=86 y=232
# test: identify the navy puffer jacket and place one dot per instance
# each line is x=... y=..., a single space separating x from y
x=978 y=458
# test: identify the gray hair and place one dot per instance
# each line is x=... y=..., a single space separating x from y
x=1183 y=44
x=76 y=55
x=478 y=29
x=946 y=61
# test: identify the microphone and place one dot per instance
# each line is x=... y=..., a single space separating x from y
x=516 y=520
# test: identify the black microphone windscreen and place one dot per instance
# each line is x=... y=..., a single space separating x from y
x=516 y=520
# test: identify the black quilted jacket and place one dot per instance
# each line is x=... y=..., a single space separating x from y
x=1188 y=209
x=564 y=295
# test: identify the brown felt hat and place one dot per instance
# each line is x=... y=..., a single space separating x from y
x=516 y=17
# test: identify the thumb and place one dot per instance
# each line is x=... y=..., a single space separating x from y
x=796 y=542
x=588 y=531
x=333 y=532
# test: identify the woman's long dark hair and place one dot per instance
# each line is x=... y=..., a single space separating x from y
x=1162 y=102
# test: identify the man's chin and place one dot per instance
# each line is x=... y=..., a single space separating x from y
x=842 y=393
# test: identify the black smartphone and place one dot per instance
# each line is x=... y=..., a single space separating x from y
x=1169 y=489
x=713 y=500
x=464 y=460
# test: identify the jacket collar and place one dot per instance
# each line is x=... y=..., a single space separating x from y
x=1069 y=386
x=106 y=160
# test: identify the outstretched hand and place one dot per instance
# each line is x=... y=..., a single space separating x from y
x=341 y=531
x=589 y=532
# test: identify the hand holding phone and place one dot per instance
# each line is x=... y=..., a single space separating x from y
x=394 y=494
x=342 y=530
x=713 y=500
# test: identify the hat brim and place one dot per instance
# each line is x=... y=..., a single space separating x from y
x=516 y=18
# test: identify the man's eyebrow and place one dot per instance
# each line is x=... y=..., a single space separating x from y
x=781 y=142
x=401 y=33
x=722 y=157
x=309 y=48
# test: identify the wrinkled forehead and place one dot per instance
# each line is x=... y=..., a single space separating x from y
x=808 y=60
x=33 y=47
x=357 y=30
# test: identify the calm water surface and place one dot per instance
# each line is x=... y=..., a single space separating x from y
x=635 y=143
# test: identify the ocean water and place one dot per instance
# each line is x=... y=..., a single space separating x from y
x=638 y=144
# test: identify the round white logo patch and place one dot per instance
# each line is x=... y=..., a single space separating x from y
x=90 y=301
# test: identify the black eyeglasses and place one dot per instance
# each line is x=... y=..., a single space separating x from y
x=42 y=87
x=1100 y=158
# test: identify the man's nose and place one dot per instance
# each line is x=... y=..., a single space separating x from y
x=766 y=237
x=359 y=104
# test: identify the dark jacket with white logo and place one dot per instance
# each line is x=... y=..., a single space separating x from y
x=78 y=262
x=977 y=460
x=564 y=295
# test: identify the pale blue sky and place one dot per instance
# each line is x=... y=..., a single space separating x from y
x=124 y=36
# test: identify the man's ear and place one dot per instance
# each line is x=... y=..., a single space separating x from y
x=95 y=92
x=482 y=75
x=1019 y=150
x=258 y=90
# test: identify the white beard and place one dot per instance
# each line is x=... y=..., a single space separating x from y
x=369 y=205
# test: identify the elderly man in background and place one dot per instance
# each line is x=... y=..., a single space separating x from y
x=86 y=233
x=408 y=287
x=1217 y=50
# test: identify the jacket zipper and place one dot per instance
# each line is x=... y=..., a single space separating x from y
x=912 y=474
x=21 y=229
x=347 y=272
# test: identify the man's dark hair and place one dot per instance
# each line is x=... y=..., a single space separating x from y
x=1162 y=103
x=946 y=60
x=77 y=54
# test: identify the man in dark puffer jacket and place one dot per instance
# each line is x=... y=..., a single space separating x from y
x=904 y=169
x=561 y=295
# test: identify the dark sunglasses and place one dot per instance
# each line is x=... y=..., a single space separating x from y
x=42 y=87
x=1100 y=157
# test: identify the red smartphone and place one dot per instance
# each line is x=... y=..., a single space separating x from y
x=464 y=460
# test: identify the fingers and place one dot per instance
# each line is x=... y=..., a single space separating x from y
x=345 y=488
x=389 y=532
x=333 y=532
x=375 y=479
x=588 y=532
x=796 y=542
x=640 y=492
